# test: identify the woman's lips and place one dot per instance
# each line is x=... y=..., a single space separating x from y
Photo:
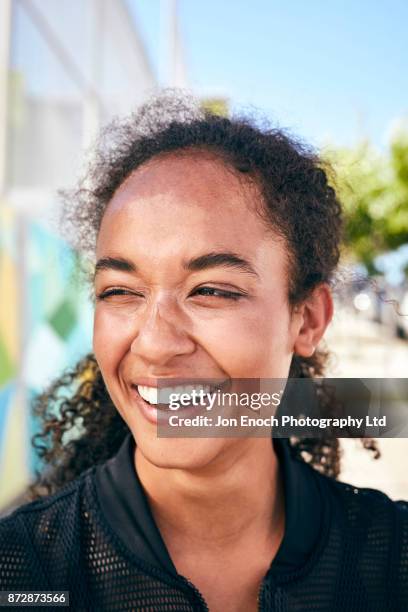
x=149 y=411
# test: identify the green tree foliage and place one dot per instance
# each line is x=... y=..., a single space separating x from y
x=219 y=106
x=374 y=191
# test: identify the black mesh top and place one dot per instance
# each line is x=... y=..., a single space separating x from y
x=344 y=548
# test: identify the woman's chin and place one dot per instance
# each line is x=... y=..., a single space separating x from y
x=178 y=453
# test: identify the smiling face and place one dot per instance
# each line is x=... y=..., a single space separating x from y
x=190 y=284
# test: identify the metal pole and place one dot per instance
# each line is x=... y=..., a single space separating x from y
x=91 y=99
x=168 y=43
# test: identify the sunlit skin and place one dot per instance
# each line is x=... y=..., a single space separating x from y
x=211 y=497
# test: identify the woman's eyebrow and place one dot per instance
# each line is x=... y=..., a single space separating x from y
x=202 y=262
x=114 y=263
x=213 y=260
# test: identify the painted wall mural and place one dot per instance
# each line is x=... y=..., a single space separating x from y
x=45 y=326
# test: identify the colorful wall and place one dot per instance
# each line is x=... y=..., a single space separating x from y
x=45 y=326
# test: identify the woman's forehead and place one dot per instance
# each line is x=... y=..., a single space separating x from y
x=202 y=175
x=178 y=207
x=186 y=193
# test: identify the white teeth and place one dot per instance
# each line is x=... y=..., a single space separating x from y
x=149 y=394
x=155 y=395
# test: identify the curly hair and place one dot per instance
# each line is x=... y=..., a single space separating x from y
x=82 y=427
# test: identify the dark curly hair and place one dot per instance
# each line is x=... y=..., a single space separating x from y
x=80 y=425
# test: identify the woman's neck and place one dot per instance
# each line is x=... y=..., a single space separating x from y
x=240 y=497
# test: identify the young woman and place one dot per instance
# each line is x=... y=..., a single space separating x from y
x=215 y=241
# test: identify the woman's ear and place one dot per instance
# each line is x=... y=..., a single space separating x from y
x=316 y=313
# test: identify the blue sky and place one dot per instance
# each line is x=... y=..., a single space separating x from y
x=332 y=71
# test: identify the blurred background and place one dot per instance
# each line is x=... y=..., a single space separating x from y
x=332 y=73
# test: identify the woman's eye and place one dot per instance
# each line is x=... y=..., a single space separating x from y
x=202 y=291
x=220 y=293
x=112 y=292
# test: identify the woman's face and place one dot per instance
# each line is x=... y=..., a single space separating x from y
x=189 y=284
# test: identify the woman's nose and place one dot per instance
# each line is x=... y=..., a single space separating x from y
x=162 y=336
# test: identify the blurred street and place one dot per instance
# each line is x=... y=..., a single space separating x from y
x=365 y=349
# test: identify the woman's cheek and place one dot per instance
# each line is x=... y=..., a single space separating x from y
x=249 y=346
x=236 y=346
x=112 y=337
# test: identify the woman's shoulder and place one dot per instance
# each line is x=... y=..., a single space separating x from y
x=41 y=518
x=368 y=515
x=367 y=499
x=367 y=535
x=39 y=538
